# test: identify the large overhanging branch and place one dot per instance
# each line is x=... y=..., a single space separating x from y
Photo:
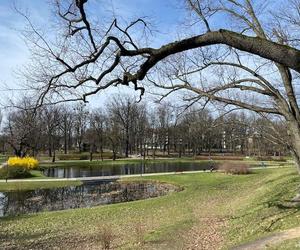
x=284 y=55
x=267 y=49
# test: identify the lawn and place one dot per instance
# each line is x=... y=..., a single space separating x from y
x=87 y=163
x=214 y=210
x=26 y=185
x=107 y=163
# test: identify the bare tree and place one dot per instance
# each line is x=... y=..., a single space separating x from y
x=99 y=125
x=67 y=127
x=51 y=117
x=88 y=59
x=80 y=117
x=23 y=130
x=124 y=111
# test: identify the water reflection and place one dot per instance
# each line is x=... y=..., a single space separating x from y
x=125 y=169
x=87 y=195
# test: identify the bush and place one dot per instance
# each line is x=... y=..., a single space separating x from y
x=18 y=167
x=84 y=157
x=26 y=163
x=235 y=168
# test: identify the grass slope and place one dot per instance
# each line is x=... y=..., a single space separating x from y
x=17 y=186
x=214 y=210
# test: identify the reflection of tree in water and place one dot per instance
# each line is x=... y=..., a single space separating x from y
x=3 y=202
x=87 y=195
x=125 y=169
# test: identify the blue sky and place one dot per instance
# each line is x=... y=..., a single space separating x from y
x=165 y=15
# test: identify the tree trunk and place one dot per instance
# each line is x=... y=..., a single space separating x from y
x=294 y=134
x=65 y=135
x=53 y=157
x=114 y=155
x=18 y=152
x=127 y=147
x=65 y=144
x=49 y=146
x=101 y=152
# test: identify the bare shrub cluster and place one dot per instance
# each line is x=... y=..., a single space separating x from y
x=235 y=168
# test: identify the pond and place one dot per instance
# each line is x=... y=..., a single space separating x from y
x=125 y=169
x=89 y=194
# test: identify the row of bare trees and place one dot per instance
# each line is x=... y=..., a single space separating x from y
x=125 y=127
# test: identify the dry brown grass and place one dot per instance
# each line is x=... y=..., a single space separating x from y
x=140 y=232
x=220 y=157
x=235 y=168
x=106 y=237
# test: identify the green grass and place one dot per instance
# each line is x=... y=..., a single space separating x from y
x=250 y=206
x=37 y=174
x=109 y=163
x=33 y=174
x=25 y=185
x=81 y=163
x=265 y=208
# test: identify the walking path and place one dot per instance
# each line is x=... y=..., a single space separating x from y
x=271 y=240
x=113 y=177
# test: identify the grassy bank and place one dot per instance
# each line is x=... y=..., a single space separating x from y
x=32 y=174
x=21 y=186
x=123 y=161
x=215 y=209
x=107 y=163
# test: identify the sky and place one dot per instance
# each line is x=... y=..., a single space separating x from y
x=164 y=15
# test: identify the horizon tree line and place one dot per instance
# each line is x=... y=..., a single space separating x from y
x=124 y=127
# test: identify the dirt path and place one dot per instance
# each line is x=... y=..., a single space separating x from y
x=271 y=240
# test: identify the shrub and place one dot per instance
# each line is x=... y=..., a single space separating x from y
x=84 y=157
x=18 y=167
x=26 y=163
x=235 y=168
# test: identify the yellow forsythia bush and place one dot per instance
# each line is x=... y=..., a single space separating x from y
x=27 y=163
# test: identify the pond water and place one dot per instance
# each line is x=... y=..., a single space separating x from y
x=87 y=195
x=125 y=169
